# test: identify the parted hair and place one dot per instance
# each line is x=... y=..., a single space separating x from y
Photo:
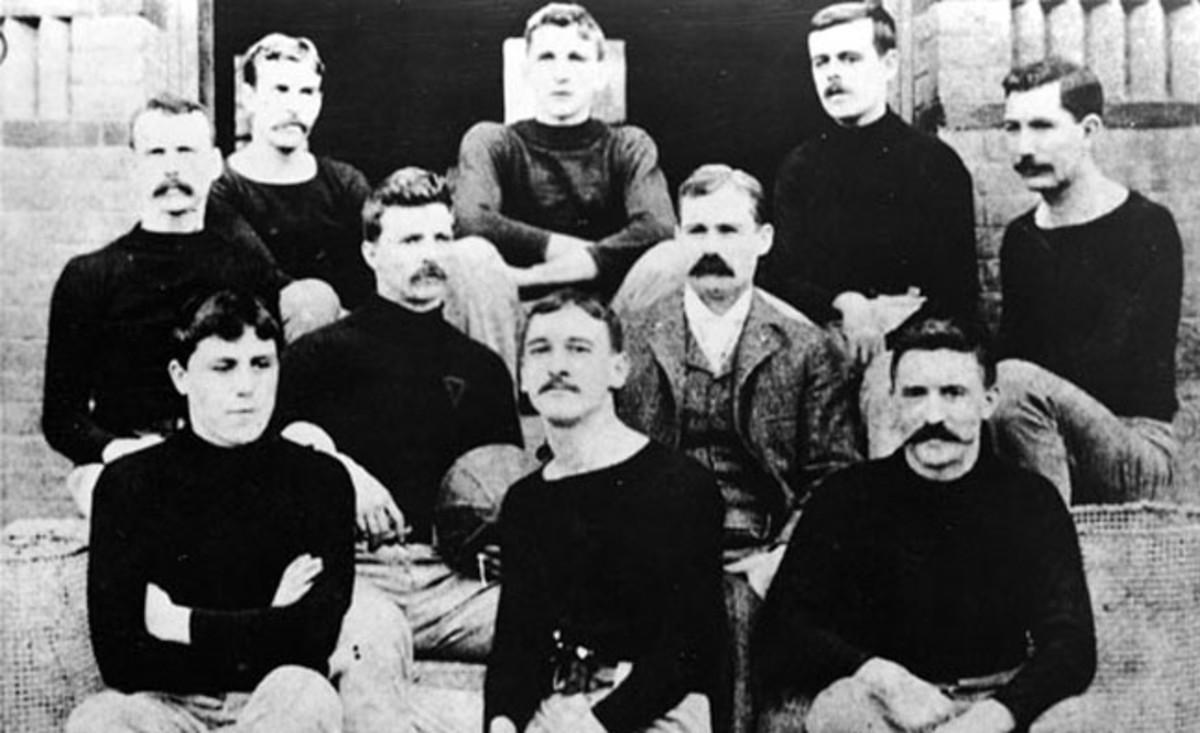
x=566 y=15
x=280 y=47
x=590 y=304
x=169 y=104
x=409 y=186
x=1080 y=91
x=714 y=176
x=935 y=333
x=225 y=314
x=838 y=13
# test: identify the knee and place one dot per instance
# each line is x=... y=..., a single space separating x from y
x=1017 y=376
x=374 y=629
x=81 y=483
x=843 y=707
x=109 y=711
x=475 y=249
x=308 y=695
x=306 y=305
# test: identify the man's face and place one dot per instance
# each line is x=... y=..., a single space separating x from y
x=565 y=71
x=230 y=387
x=284 y=103
x=176 y=160
x=568 y=366
x=1047 y=144
x=943 y=403
x=724 y=239
x=850 y=75
x=408 y=256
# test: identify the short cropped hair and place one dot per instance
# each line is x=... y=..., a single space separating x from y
x=839 y=13
x=409 y=186
x=225 y=314
x=588 y=303
x=280 y=47
x=172 y=105
x=714 y=176
x=566 y=15
x=1080 y=92
x=934 y=333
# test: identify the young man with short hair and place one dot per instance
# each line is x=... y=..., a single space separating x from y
x=221 y=560
x=564 y=197
x=939 y=588
x=398 y=395
x=873 y=219
x=611 y=617
x=106 y=390
x=1093 y=279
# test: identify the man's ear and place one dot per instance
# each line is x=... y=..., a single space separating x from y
x=368 y=253
x=991 y=399
x=620 y=370
x=178 y=376
x=1092 y=125
x=766 y=234
x=891 y=63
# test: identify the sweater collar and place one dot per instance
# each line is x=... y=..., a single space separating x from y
x=570 y=137
x=396 y=320
x=880 y=133
x=983 y=466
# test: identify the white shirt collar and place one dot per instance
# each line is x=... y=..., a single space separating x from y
x=716 y=335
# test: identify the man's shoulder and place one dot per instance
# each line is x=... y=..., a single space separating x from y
x=340 y=171
x=488 y=135
x=100 y=261
x=800 y=336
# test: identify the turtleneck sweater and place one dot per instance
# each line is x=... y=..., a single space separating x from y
x=402 y=393
x=111 y=318
x=875 y=210
x=952 y=580
x=215 y=528
x=518 y=184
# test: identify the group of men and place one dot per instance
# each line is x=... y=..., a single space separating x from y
x=262 y=469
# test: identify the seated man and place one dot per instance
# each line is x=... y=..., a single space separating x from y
x=564 y=197
x=739 y=381
x=612 y=554
x=107 y=392
x=221 y=560
x=938 y=588
x=398 y=395
x=1093 y=279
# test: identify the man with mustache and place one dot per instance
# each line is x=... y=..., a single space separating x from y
x=739 y=381
x=221 y=560
x=398 y=395
x=936 y=589
x=106 y=391
x=873 y=218
x=1092 y=280
x=611 y=616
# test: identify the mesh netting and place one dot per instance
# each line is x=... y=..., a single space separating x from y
x=1143 y=569
x=46 y=662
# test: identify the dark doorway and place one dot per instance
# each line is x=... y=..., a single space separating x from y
x=710 y=80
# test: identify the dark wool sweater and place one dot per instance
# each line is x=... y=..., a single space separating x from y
x=950 y=579
x=874 y=210
x=402 y=393
x=111 y=318
x=313 y=228
x=1098 y=304
x=215 y=528
x=518 y=184
x=625 y=560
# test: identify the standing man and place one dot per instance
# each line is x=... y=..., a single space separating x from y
x=221 y=560
x=741 y=383
x=398 y=395
x=106 y=390
x=564 y=197
x=611 y=616
x=1093 y=279
x=939 y=588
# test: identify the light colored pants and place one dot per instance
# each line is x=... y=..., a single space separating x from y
x=292 y=699
x=483 y=301
x=660 y=270
x=691 y=715
x=1051 y=426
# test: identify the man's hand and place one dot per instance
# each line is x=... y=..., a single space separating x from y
x=502 y=725
x=568 y=259
x=985 y=716
x=488 y=560
x=164 y=619
x=118 y=447
x=565 y=714
x=863 y=337
x=297 y=580
x=909 y=702
x=890 y=311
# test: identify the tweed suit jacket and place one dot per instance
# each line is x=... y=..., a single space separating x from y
x=794 y=404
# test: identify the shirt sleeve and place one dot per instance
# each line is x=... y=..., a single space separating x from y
x=649 y=214
x=688 y=645
x=1061 y=623
x=484 y=157
x=71 y=360
x=945 y=223
x=519 y=665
